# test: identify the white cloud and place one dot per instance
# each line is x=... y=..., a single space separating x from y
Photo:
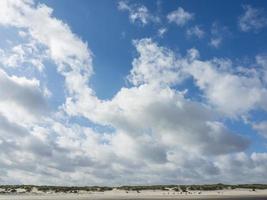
x=195 y=31
x=70 y=54
x=218 y=34
x=27 y=54
x=22 y=96
x=157 y=134
x=152 y=108
x=253 y=19
x=137 y=13
x=261 y=127
x=65 y=48
x=155 y=125
x=261 y=60
x=162 y=32
x=232 y=94
x=180 y=16
x=10 y=129
x=163 y=114
x=156 y=65
x=215 y=42
x=240 y=166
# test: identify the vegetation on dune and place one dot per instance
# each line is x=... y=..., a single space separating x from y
x=56 y=189
x=178 y=188
x=143 y=187
x=185 y=188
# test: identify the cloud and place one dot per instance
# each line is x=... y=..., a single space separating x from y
x=155 y=126
x=21 y=95
x=180 y=17
x=70 y=54
x=153 y=133
x=218 y=34
x=9 y=128
x=151 y=107
x=25 y=54
x=253 y=19
x=261 y=127
x=239 y=166
x=195 y=31
x=232 y=94
x=155 y=65
x=261 y=60
x=162 y=32
x=65 y=48
x=215 y=42
x=164 y=121
x=137 y=13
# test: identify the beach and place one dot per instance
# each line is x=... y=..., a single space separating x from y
x=146 y=195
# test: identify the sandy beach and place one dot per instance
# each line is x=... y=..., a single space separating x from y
x=149 y=195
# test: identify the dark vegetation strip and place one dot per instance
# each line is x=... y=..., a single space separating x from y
x=181 y=188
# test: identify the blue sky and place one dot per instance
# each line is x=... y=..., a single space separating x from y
x=97 y=91
x=113 y=57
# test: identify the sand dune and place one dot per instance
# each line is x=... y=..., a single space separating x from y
x=148 y=195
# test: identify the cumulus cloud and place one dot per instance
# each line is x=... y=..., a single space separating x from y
x=218 y=34
x=261 y=127
x=232 y=94
x=65 y=48
x=22 y=96
x=152 y=132
x=253 y=19
x=162 y=32
x=11 y=129
x=25 y=54
x=180 y=17
x=164 y=121
x=155 y=65
x=261 y=60
x=151 y=107
x=137 y=13
x=195 y=31
x=215 y=42
x=239 y=166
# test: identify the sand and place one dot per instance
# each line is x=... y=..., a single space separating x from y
x=144 y=195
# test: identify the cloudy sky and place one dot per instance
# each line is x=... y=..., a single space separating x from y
x=133 y=92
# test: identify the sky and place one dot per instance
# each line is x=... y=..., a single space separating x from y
x=133 y=92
